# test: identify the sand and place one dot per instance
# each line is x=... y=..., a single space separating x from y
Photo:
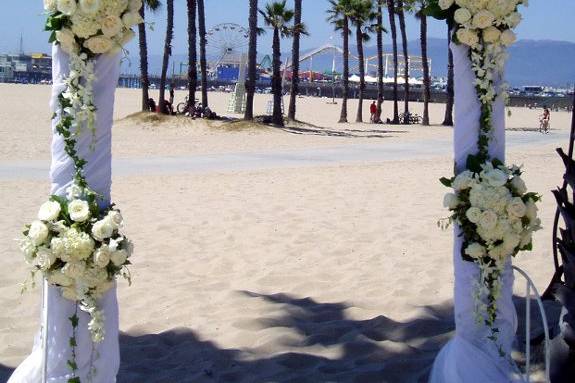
x=305 y=270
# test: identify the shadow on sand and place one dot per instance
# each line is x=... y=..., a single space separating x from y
x=350 y=133
x=5 y=372
x=375 y=350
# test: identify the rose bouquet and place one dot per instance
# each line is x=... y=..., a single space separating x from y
x=497 y=216
x=92 y=26
x=490 y=202
x=78 y=247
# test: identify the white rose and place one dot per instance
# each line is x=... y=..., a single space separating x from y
x=119 y=257
x=102 y=256
x=74 y=270
x=445 y=4
x=69 y=293
x=513 y=19
x=28 y=248
x=89 y=7
x=74 y=191
x=495 y=177
x=79 y=210
x=50 y=5
x=467 y=37
x=44 y=258
x=132 y=18
x=491 y=34
x=462 y=15
x=84 y=26
x=135 y=5
x=475 y=250
x=94 y=277
x=463 y=181
x=116 y=218
x=510 y=242
x=58 y=247
x=473 y=214
x=488 y=220
x=508 y=37
x=111 y=25
x=49 y=211
x=98 y=44
x=483 y=19
x=58 y=278
x=526 y=238
x=103 y=229
x=499 y=253
x=38 y=232
x=67 y=7
x=516 y=207
x=531 y=211
x=519 y=185
x=67 y=40
x=450 y=201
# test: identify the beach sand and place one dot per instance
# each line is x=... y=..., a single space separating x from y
x=298 y=271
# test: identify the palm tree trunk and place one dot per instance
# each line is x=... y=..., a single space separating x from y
x=426 y=79
x=295 y=61
x=391 y=12
x=192 y=55
x=277 y=117
x=448 y=119
x=401 y=15
x=361 y=63
x=379 y=61
x=203 y=63
x=345 y=79
x=167 y=54
x=252 y=58
x=144 y=78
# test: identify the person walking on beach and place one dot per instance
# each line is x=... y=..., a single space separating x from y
x=544 y=120
x=373 y=112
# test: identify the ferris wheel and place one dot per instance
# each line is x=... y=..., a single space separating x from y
x=225 y=44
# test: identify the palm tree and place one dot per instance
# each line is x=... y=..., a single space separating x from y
x=152 y=5
x=339 y=13
x=426 y=79
x=277 y=16
x=362 y=13
x=379 y=29
x=192 y=55
x=391 y=12
x=401 y=14
x=448 y=119
x=203 y=64
x=295 y=60
x=167 y=54
x=252 y=58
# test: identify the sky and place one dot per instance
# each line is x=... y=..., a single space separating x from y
x=543 y=20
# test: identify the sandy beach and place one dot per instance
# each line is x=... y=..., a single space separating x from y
x=304 y=254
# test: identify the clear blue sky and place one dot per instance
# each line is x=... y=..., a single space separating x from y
x=543 y=19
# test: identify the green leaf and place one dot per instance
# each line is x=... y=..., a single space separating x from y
x=446 y=181
x=74 y=320
x=473 y=164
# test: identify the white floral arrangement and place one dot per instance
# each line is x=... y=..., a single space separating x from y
x=76 y=243
x=98 y=26
x=489 y=202
x=497 y=216
x=79 y=247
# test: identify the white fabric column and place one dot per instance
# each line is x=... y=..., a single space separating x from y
x=470 y=357
x=106 y=355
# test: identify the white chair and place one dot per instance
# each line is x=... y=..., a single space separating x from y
x=530 y=289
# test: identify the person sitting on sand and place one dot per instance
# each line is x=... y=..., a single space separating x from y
x=373 y=112
x=151 y=105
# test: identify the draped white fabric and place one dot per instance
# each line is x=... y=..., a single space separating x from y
x=470 y=357
x=105 y=355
